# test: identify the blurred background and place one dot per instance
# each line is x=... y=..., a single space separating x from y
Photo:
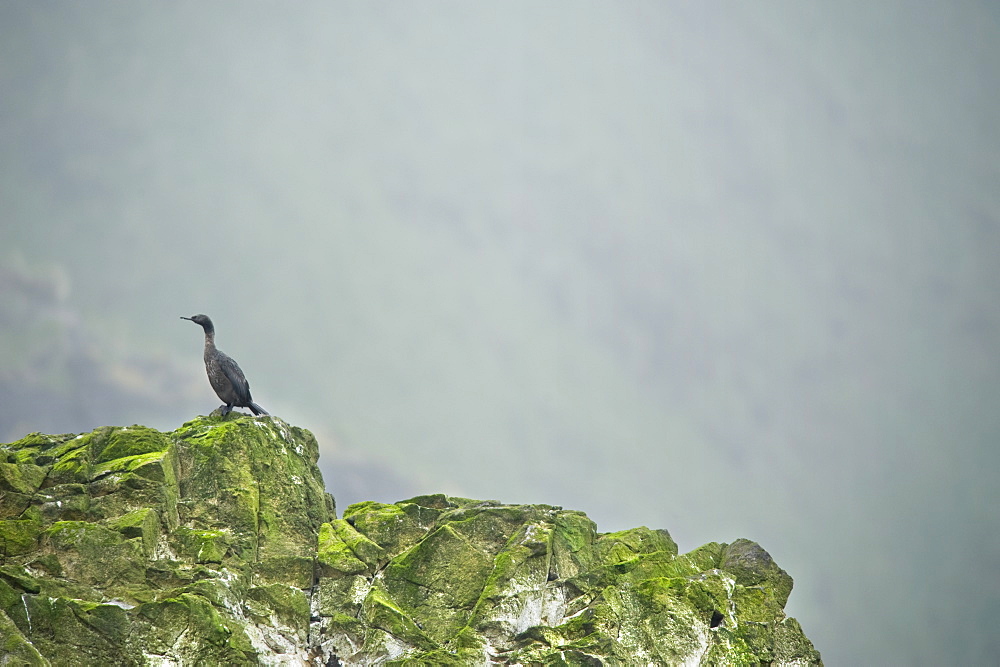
x=728 y=269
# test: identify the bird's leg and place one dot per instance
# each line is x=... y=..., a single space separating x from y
x=226 y=409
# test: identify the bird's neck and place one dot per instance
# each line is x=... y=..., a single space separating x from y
x=209 y=340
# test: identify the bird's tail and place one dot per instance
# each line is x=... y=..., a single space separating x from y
x=256 y=409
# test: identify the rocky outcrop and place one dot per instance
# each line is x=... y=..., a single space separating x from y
x=216 y=544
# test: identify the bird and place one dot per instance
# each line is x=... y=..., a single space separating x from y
x=224 y=373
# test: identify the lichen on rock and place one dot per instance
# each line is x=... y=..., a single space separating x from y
x=216 y=544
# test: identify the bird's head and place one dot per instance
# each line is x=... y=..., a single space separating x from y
x=202 y=320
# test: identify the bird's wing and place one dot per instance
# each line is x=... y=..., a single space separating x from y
x=236 y=378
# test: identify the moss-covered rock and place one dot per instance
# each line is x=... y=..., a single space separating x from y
x=344 y=550
x=142 y=523
x=131 y=546
x=469 y=582
x=217 y=544
x=18 y=536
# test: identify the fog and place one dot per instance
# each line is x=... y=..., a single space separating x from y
x=725 y=269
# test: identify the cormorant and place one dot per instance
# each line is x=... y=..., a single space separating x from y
x=225 y=375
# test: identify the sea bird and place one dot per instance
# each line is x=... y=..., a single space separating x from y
x=224 y=373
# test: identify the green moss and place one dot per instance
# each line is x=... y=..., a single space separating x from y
x=14 y=505
x=571 y=544
x=668 y=634
x=341 y=595
x=131 y=483
x=68 y=631
x=235 y=509
x=439 y=501
x=221 y=532
x=266 y=491
x=148 y=465
x=48 y=564
x=791 y=645
x=380 y=611
x=235 y=496
x=392 y=527
x=204 y=619
x=170 y=490
x=202 y=546
x=11 y=603
x=288 y=570
x=728 y=648
x=129 y=442
x=72 y=534
x=660 y=564
x=293 y=502
x=668 y=595
x=752 y=566
x=32 y=512
x=343 y=623
x=287 y=604
x=334 y=555
x=15 y=649
x=35 y=448
x=519 y=571
x=380 y=523
x=71 y=468
x=63 y=502
x=192 y=628
x=627 y=544
x=468 y=639
x=59 y=450
x=440 y=580
x=439 y=657
x=568 y=645
x=143 y=523
x=108 y=619
x=487 y=528
x=118 y=494
x=21 y=477
x=134 y=524
x=702 y=559
x=95 y=555
x=343 y=549
x=17 y=577
x=18 y=537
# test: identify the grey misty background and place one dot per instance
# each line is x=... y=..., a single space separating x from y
x=728 y=269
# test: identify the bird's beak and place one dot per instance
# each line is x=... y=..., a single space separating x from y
x=187 y=318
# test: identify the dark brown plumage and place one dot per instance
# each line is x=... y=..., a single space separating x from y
x=224 y=373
